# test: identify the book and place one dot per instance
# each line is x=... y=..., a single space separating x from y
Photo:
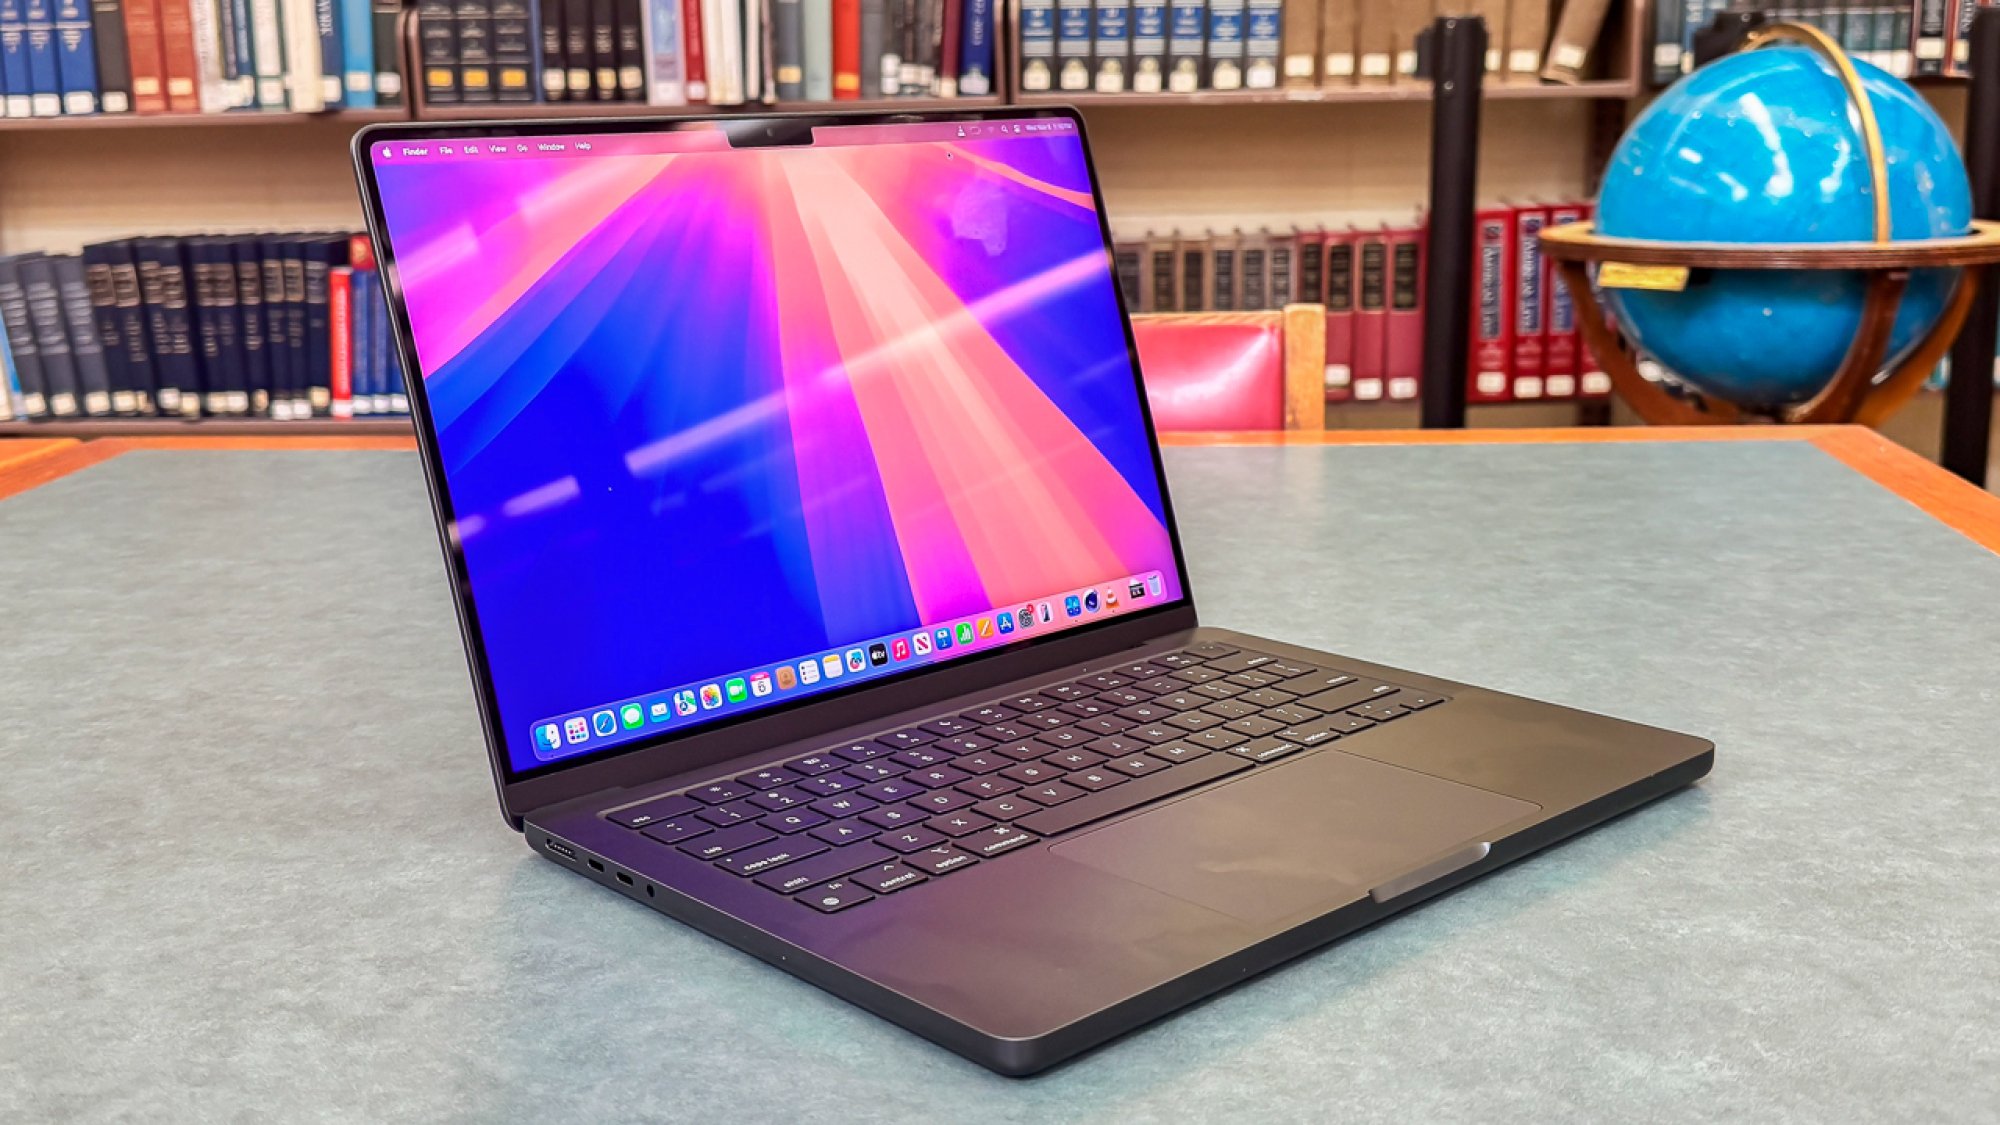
x=46 y=319
x=13 y=404
x=1037 y=43
x=1301 y=42
x=975 y=52
x=322 y=255
x=44 y=78
x=1148 y=67
x=267 y=55
x=21 y=345
x=694 y=51
x=847 y=50
x=1187 y=45
x=277 y=308
x=874 y=44
x=1225 y=44
x=949 y=15
x=361 y=339
x=1190 y=273
x=178 y=342
x=340 y=341
x=1160 y=277
x=721 y=22
x=1309 y=250
x=1930 y=44
x=472 y=20
x=817 y=50
x=385 y=48
x=1403 y=332
x=1527 y=374
x=1340 y=292
x=1528 y=33
x=1127 y=267
x=1111 y=45
x=1337 y=31
x=549 y=33
x=1560 y=343
x=1371 y=316
x=437 y=51
x=1225 y=278
x=629 y=45
x=1411 y=19
x=14 y=77
x=141 y=372
x=305 y=84
x=239 y=65
x=110 y=335
x=86 y=347
x=1073 y=40
x=517 y=54
x=253 y=332
x=1284 y=271
x=1667 y=37
x=76 y=56
x=1253 y=259
x=788 y=37
x=205 y=325
x=1263 y=40
x=1375 y=41
x=579 y=81
x=1491 y=344
x=1575 y=37
x=213 y=90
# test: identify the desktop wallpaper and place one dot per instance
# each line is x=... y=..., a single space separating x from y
x=702 y=411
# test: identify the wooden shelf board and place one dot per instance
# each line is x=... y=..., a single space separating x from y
x=1336 y=95
x=193 y=120
x=233 y=427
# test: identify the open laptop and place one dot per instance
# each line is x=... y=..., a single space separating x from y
x=821 y=589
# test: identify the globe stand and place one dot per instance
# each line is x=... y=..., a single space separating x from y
x=1855 y=394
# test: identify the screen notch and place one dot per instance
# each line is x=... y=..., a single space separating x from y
x=769 y=133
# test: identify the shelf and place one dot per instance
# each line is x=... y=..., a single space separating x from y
x=194 y=120
x=397 y=426
x=1333 y=95
x=536 y=111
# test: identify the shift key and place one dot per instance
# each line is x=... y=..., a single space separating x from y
x=1138 y=791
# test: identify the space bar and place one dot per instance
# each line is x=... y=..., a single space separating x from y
x=1132 y=794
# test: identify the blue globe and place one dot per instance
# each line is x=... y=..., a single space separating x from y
x=1764 y=146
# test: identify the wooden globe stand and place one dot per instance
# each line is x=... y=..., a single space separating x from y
x=1855 y=394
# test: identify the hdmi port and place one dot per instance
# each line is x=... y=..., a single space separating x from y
x=560 y=848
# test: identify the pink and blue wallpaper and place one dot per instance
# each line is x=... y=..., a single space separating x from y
x=705 y=411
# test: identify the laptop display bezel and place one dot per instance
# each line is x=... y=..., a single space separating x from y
x=690 y=750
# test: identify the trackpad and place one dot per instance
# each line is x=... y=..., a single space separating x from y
x=1313 y=834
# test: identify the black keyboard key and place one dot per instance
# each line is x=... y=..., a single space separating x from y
x=949 y=725
x=941 y=800
x=792 y=820
x=1103 y=724
x=876 y=771
x=989 y=714
x=719 y=793
x=782 y=798
x=1177 y=751
x=1027 y=703
x=906 y=738
x=937 y=777
x=1380 y=712
x=1155 y=733
x=1266 y=697
x=989 y=842
x=938 y=860
x=1044 y=720
x=1053 y=793
x=847 y=804
x=660 y=808
x=1265 y=749
x=1195 y=720
x=958 y=823
x=1087 y=708
x=826 y=865
x=827 y=785
x=889 y=877
x=715 y=845
x=894 y=816
x=1199 y=674
x=1066 y=736
x=1288 y=669
x=837 y=895
x=760 y=858
x=1031 y=773
x=1252 y=679
x=768 y=779
x=845 y=832
x=1220 y=689
x=1348 y=695
x=1176 y=660
x=1182 y=700
x=917 y=757
x=1132 y=794
x=1147 y=712
x=1209 y=650
x=1007 y=732
x=964 y=744
x=1140 y=671
x=1255 y=726
x=1161 y=685
x=981 y=788
x=910 y=839
x=864 y=751
x=1138 y=765
x=1221 y=738
x=1291 y=713
x=1093 y=780
x=1067 y=693
x=1005 y=808
x=983 y=762
x=676 y=829
x=1115 y=745
x=1026 y=751
x=888 y=791
x=1105 y=681
x=812 y=765
x=735 y=812
x=1123 y=697
x=1230 y=709
x=1073 y=759
x=1240 y=662
x=1314 y=682
x=1416 y=700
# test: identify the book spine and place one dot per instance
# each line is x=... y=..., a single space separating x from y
x=1929 y=49
x=104 y=318
x=515 y=51
x=202 y=388
x=1126 y=258
x=1693 y=15
x=950 y=36
x=1253 y=260
x=277 y=325
x=141 y=373
x=1338 y=251
x=554 y=70
x=1111 y=45
x=437 y=48
x=242 y=54
x=789 y=39
x=383 y=351
x=903 y=42
x=725 y=75
x=695 y=51
x=267 y=54
x=45 y=313
x=1225 y=44
x=1301 y=42
x=340 y=342
x=1371 y=317
x=1529 y=373
x=1263 y=39
x=1073 y=44
x=14 y=76
x=1958 y=52
x=665 y=84
x=229 y=325
x=44 y=76
x=1576 y=36
x=305 y=89
x=1902 y=34
x=1375 y=41
x=1528 y=33
x=1149 y=46
x=578 y=83
x=326 y=30
x=1225 y=278
x=629 y=34
x=1310 y=251
x=317 y=342
x=873 y=30
x=1191 y=274
x=357 y=53
x=1559 y=331
x=1284 y=272
x=1161 y=294
x=1337 y=29
x=250 y=314
x=473 y=20
x=298 y=360
x=359 y=347
x=13 y=404
x=1038 y=44
x=1880 y=48
x=1403 y=347
x=76 y=57
x=21 y=345
x=603 y=50
x=93 y=374
x=1187 y=45
x=847 y=63
x=1666 y=63
x=214 y=90
x=1492 y=323
x=924 y=49
x=205 y=325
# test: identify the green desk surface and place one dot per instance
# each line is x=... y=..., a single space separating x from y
x=254 y=868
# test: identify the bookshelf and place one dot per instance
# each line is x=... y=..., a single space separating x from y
x=233 y=427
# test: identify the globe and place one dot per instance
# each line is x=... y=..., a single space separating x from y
x=1765 y=146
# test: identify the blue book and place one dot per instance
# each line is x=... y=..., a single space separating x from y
x=241 y=52
x=1111 y=45
x=1038 y=44
x=1187 y=45
x=360 y=306
x=326 y=20
x=13 y=404
x=76 y=56
x=1225 y=44
x=1149 y=46
x=357 y=52
x=44 y=80
x=975 y=51
x=1263 y=32
x=14 y=58
x=1073 y=35
x=399 y=394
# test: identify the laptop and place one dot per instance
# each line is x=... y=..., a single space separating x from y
x=819 y=579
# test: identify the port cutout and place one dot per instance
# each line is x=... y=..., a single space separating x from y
x=560 y=848
x=596 y=866
x=624 y=878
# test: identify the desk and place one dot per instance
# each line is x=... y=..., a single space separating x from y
x=255 y=870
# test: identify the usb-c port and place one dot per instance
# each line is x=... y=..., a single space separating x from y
x=624 y=878
x=595 y=866
x=560 y=848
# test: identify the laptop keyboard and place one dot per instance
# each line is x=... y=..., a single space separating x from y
x=839 y=828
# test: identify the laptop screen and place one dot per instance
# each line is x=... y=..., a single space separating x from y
x=728 y=429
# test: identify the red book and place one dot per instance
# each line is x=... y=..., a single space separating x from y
x=1403 y=353
x=954 y=12
x=360 y=252
x=697 y=68
x=1491 y=353
x=1340 y=277
x=846 y=50
x=1591 y=381
x=1371 y=316
x=1530 y=276
x=1559 y=339
x=177 y=52
x=340 y=326
x=149 y=71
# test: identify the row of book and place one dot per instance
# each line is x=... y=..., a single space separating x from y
x=1524 y=343
x=1915 y=39
x=718 y=52
x=1182 y=46
x=279 y=326
x=197 y=56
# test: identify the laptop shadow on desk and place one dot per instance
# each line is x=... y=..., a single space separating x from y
x=606 y=1000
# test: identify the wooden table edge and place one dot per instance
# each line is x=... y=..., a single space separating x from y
x=1969 y=510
